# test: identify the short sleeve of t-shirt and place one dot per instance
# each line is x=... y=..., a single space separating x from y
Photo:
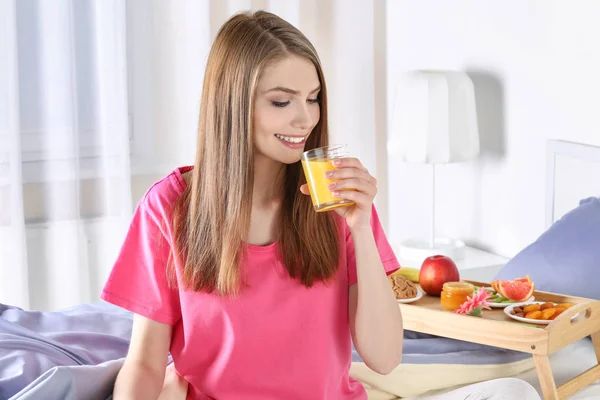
x=388 y=258
x=138 y=279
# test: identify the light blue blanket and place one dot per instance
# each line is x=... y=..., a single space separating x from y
x=76 y=353
x=69 y=355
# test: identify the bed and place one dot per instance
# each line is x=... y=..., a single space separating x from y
x=76 y=353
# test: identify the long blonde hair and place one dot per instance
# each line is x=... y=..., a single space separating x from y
x=213 y=215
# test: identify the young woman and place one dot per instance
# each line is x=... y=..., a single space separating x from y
x=227 y=266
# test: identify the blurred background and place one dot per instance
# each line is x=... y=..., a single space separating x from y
x=100 y=98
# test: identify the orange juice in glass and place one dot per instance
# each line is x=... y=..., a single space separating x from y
x=316 y=163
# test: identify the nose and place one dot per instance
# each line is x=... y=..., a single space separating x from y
x=302 y=118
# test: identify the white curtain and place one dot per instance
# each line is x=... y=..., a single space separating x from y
x=64 y=148
x=100 y=98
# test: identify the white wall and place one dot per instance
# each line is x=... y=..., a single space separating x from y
x=536 y=70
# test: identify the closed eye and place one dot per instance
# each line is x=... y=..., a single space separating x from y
x=282 y=104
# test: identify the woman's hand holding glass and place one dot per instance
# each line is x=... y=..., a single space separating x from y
x=352 y=182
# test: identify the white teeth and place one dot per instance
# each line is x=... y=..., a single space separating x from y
x=290 y=139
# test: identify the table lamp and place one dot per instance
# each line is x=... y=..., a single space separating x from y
x=434 y=122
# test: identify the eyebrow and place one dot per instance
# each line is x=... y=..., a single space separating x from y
x=290 y=91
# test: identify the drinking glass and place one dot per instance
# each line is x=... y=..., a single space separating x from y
x=315 y=163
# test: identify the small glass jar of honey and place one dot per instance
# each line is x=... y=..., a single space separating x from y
x=454 y=294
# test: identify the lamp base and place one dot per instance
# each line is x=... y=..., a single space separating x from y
x=418 y=250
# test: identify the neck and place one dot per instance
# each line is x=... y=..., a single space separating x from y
x=268 y=182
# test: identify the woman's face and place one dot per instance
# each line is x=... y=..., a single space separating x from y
x=286 y=109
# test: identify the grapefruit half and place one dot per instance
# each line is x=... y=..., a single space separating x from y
x=526 y=279
x=516 y=290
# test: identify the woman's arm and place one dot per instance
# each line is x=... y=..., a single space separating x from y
x=375 y=318
x=143 y=372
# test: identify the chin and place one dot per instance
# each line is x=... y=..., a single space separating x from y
x=279 y=153
x=291 y=158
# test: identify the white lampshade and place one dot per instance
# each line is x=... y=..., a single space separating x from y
x=434 y=122
x=434 y=118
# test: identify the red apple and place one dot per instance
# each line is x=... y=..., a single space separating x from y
x=435 y=271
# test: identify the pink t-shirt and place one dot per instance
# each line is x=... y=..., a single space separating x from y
x=277 y=340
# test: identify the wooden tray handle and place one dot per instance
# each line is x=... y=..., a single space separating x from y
x=587 y=310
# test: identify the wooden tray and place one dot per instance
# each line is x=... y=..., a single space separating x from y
x=495 y=328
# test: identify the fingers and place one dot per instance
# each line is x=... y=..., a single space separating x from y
x=351 y=173
x=352 y=181
x=360 y=198
x=360 y=185
x=349 y=162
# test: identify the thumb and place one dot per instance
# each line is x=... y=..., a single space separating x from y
x=304 y=189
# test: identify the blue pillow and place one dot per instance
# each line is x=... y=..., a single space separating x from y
x=566 y=258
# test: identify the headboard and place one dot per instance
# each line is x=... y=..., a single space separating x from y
x=572 y=174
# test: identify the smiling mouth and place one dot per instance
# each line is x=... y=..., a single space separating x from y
x=291 y=139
